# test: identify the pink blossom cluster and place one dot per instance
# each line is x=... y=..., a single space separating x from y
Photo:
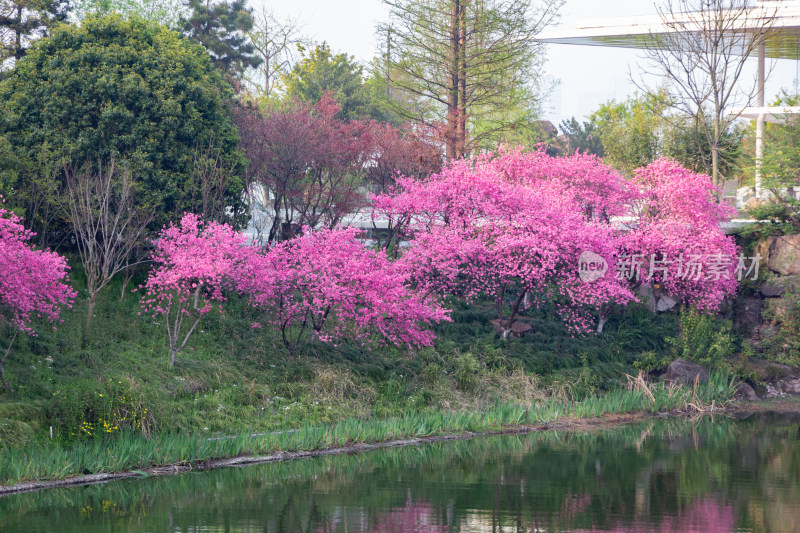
x=327 y=282
x=33 y=283
x=677 y=219
x=507 y=226
x=196 y=262
x=510 y=226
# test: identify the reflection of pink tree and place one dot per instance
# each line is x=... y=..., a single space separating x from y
x=704 y=515
x=416 y=516
x=413 y=516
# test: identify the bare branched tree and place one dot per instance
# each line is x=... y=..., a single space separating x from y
x=210 y=176
x=275 y=41
x=701 y=53
x=106 y=222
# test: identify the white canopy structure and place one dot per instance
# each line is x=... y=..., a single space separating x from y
x=652 y=31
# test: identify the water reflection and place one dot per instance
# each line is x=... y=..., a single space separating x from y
x=709 y=475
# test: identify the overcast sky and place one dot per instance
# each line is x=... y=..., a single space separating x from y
x=587 y=75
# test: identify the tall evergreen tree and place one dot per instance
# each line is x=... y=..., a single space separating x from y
x=22 y=21
x=471 y=64
x=222 y=28
x=581 y=137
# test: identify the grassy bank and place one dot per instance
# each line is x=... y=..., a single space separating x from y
x=131 y=451
x=109 y=402
x=232 y=378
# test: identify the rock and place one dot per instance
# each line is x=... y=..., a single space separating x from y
x=645 y=294
x=780 y=285
x=752 y=203
x=518 y=329
x=779 y=309
x=782 y=380
x=656 y=300
x=665 y=303
x=774 y=392
x=781 y=254
x=771 y=289
x=788 y=386
x=772 y=371
x=750 y=312
x=744 y=392
x=685 y=372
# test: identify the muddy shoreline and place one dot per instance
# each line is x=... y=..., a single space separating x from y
x=564 y=424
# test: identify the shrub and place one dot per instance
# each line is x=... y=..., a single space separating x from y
x=85 y=409
x=704 y=338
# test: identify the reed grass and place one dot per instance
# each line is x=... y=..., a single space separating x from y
x=132 y=451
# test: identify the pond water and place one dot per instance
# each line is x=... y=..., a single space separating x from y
x=706 y=475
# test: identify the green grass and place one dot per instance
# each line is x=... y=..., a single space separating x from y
x=116 y=387
x=232 y=378
x=132 y=451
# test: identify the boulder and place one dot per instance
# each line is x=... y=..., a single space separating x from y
x=780 y=309
x=781 y=380
x=790 y=386
x=685 y=372
x=656 y=300
x=744 y=392
x=777 y=286
x=772 y=289
x=666 y=302
x=781 y=254
x=518 y=329
x=749 y=314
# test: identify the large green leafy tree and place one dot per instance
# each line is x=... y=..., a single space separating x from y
x=640 y=129
x=631 y=132
x=581 y=137
x=320 y=71
x=130 y=90
x=170 y=13
x=221 y=27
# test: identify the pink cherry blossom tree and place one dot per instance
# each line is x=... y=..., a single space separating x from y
x=328 y=283
x=676 y=245
x=507 y=227
x=196 y=263
x=33 y=283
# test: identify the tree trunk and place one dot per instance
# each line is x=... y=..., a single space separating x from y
x=603 y=315
x=451 y=135
x=125 y=282
x=461 y=131
x=5 y=356
x=89 y=314
x=18 y=36
x=172 y=357
x=715 y=155
x=600 y=323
